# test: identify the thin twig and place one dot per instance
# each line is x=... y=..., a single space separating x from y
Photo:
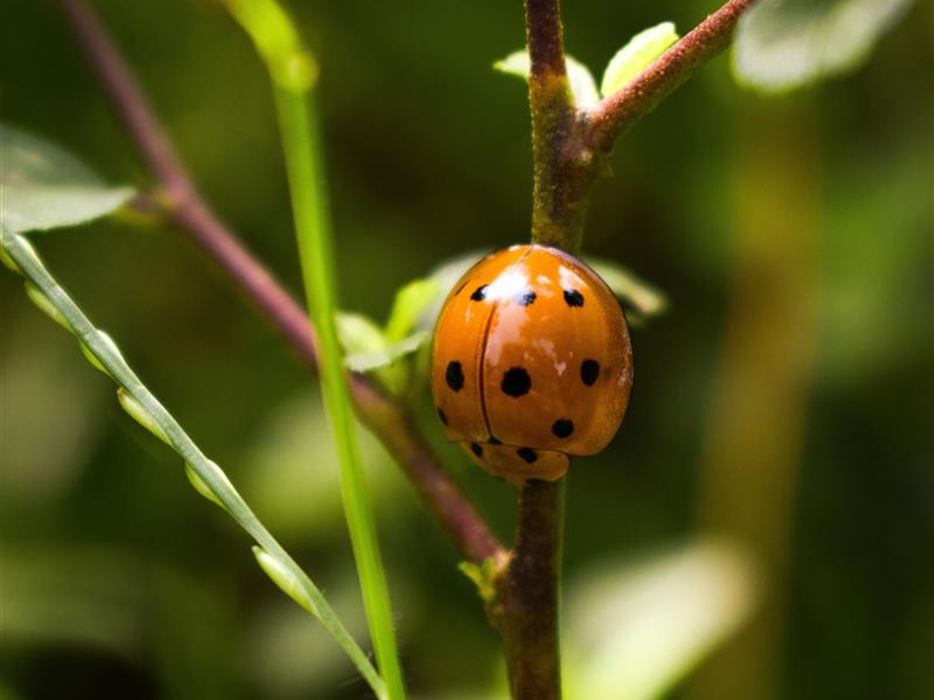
x=185 y=206
x=660 y=79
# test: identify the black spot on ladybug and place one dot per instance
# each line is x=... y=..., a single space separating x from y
x=516 y=382
x=454 y=376
x=527 y=297
x=442 y=416
x=476 y=449
x=573 y=298
x=590 y=370
x=479 y=294
x=562 y=428
x=528 y=454
x=494 y=440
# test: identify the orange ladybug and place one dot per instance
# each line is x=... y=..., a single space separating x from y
x=531 y=363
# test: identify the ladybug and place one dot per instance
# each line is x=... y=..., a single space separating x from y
x=531 y=363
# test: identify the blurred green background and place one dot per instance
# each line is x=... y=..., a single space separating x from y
x=772 y=484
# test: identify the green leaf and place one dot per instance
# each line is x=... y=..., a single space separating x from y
x=45 y=187
x=784 y=44
x=583 y=85
x=640 y=296
x=517 y=63
x=358 y=333
x=369 y=361
x=410 y=302
x=636 y=56
x=367 y=349
x=483 y=575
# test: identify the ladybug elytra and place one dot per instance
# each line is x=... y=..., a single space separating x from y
x=531 y=363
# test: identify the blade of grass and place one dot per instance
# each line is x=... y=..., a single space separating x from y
x=293 y=73
x=153 y=415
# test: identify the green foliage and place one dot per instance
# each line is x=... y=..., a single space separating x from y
x=382 y=351
x=386 y=356
x=626 y=64
x=359 y=334
x=410 y=302
x=785 y=44
x=636 y=56
x=45 y=187
x=483 y=576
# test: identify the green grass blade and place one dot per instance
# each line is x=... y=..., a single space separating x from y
x=293 y=74
x=146 y=409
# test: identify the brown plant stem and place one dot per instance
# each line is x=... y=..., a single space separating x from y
x=570 y=148
x=184 y=205
x=525 y=606
x=557 y=216
x=605 y=123
x=525 y=610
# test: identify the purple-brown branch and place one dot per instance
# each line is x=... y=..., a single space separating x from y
x=545 y=38
x=661 y=78
x=184 y=205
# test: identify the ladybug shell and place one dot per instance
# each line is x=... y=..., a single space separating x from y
x=532 y=362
